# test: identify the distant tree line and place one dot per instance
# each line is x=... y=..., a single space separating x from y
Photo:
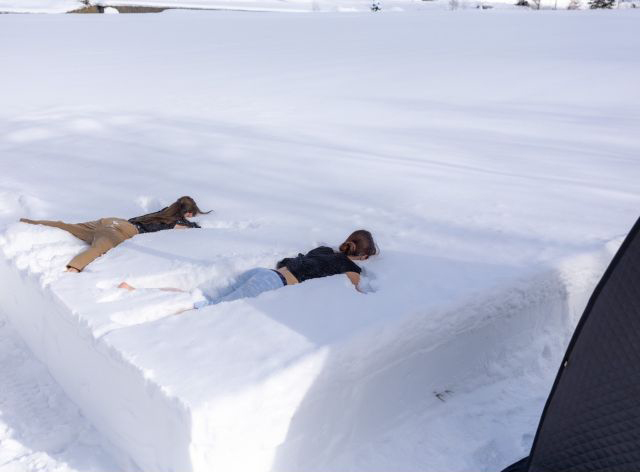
x=593 y=4
x=573 y=4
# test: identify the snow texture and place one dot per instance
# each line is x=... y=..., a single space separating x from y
x=40 y=428
x=39 y=6
x=498 y=175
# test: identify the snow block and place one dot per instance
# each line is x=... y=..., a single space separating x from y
x=303 y=378
x=128 y=409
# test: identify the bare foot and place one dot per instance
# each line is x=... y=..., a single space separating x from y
x=73 y=270
x=126 y=285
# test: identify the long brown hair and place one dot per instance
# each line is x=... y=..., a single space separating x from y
x=359 y=243
x=173 y=213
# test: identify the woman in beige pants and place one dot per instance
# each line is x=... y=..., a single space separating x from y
x=107 y=233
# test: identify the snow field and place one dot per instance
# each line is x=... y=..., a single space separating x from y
x=478 y=164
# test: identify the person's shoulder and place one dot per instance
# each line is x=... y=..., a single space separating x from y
x=351 y=266
x=322 y=250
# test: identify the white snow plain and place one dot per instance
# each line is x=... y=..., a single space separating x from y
x=494 y=156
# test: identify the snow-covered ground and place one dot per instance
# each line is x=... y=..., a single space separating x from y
x=40 y=429
x=494 y=156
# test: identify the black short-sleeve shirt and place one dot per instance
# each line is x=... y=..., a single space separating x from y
x=319 y=262
x=153 y=227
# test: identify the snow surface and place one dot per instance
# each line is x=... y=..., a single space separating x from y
x=492 y=154
x=40 y=429
x=39 y=6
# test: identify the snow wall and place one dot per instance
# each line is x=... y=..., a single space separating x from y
x=239 y=390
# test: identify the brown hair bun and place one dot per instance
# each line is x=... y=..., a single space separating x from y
x=359 y=243
x=348 y=247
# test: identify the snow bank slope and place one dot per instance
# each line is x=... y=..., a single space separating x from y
x=117 y=399
x=435 y=392
x=291 y=380
x=40 y=428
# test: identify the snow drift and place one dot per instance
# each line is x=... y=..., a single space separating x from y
x=255 y=385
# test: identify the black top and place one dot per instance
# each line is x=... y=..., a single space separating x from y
x=319 y=262
x=153 y=227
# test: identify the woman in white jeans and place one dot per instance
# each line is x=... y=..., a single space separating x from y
x=319 y=262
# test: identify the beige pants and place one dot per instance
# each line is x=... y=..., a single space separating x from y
x=102 y=235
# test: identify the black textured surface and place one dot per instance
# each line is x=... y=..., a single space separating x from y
x=592 y=418
x=521 y=466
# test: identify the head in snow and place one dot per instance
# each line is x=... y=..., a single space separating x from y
x=359 y=245
x=186 y=207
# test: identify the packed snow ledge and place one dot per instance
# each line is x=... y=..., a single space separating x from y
x=293 y=379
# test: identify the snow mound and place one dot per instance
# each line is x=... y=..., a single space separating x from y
x=304 y=378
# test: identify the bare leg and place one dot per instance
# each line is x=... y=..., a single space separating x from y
x=164 y=289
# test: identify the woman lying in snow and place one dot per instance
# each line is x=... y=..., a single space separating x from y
x=107 y=233
x=319 y=262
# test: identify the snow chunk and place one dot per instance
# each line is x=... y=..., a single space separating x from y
x=290 y=380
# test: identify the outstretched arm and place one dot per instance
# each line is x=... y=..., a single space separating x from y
x=184 y=223
x=355 y=280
